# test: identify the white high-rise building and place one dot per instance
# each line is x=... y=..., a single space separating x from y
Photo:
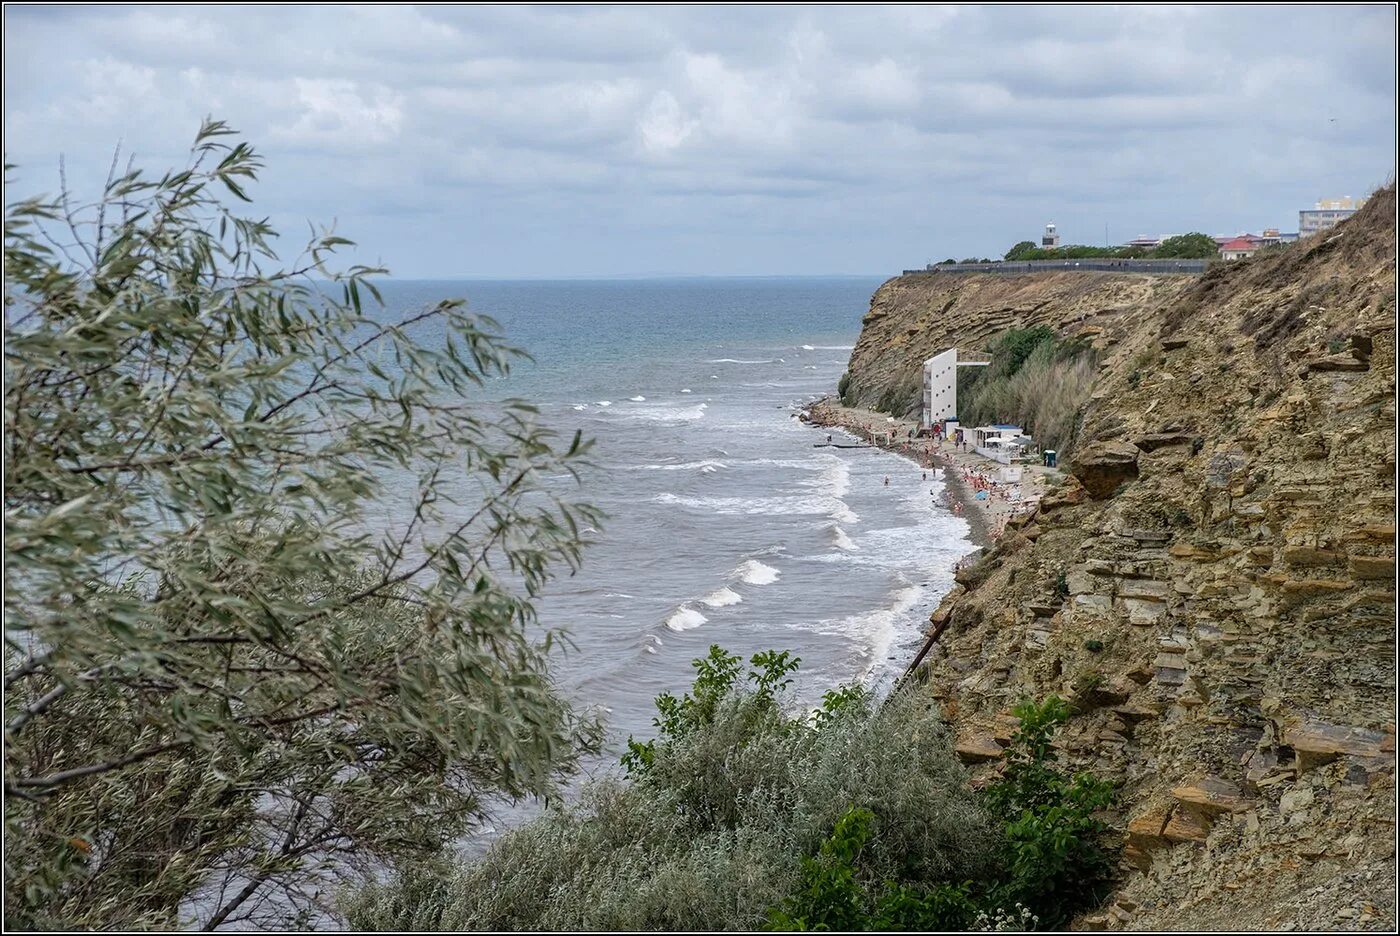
x=941 y=385
x=1328 y=213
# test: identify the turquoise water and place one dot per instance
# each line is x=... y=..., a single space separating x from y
x=726 y=525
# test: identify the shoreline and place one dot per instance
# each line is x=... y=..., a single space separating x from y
x=986 y=519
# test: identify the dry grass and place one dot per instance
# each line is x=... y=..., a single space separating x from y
x=1045 y=394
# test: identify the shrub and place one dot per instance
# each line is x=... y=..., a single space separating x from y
x=1054 y=854
x=226 y=675
x=1035 y=381
x=1188 y=246
x=738 y=815
x=1052 y=861
x=720 y=809
x=832 y=895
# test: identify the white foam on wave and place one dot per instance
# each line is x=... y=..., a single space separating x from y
x=842 y=541
x=704 y=466
x=836 y=477
x=876 y=629
x=665 y=413
x=638 y=399
x=833 y=347
x=753 y=572
x=580 y=406
x=685 y=619
x=808 y=347
x=686 y=390
x=617 y=595
x=605 y=402
x=809 y=464
x=833 y=507
x=722 y=598
x=730 y=360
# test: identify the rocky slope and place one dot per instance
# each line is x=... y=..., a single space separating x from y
x=914 y=316
x=1213 y=586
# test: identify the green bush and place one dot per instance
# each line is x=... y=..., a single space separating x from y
x=843 y=385
x=833 y=897
x=1188 y=246
x=1055 y=859
x=227 y=675
x=711 y=826
x=1052 y=861
x=739 y=815
x=1034 y=380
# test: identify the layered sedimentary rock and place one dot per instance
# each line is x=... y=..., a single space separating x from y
x=1212 y=585
x=913 y=317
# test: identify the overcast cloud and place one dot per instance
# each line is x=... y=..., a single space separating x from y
x=573 y=141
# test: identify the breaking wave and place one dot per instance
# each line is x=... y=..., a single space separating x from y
x=753 y=572
x=722 y=598
x=685 y=619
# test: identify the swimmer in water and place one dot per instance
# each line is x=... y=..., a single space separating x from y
x=887 y=480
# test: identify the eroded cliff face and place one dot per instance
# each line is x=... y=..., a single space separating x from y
x=1213 y=586
x=913 y=317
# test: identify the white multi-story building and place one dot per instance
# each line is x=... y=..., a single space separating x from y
x=941 y=386
x=1328 y=213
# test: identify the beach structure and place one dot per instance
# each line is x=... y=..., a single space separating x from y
x=1001 y=442
x=941 y=386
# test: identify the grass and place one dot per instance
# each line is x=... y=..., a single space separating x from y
x=1037 y=381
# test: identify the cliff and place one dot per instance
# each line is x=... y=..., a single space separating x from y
x=914 y=316
x=1213 y=586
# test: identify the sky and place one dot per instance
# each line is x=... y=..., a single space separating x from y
x=572 y=141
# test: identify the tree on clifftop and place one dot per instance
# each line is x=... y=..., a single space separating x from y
x=1021 y=251
x=228 y=675
x=1193 y=246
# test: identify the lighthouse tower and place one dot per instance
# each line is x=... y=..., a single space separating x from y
x=1051 y=238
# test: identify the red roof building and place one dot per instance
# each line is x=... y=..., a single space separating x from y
x=1243 y=246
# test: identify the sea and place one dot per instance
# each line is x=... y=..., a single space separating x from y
x=729 y=521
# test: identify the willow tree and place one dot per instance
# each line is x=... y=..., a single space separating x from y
x=227 y=676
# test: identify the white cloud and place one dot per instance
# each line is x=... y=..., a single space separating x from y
x=914 y=131
x=341 y=114
x=665 y=127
